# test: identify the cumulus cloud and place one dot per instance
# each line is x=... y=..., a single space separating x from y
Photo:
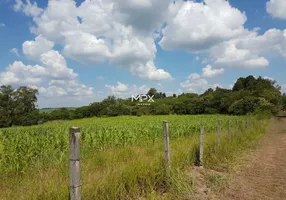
x=99 y=31
x=53 y=78
x=19 y=73
x=124 y=90
x=81 y=46
x=197 y=26
x=194 y=76
x=67 y=88
x=56 y=65
x=271 y=40
x=34 y=49
x=209 y=72
x=229 y=55
x=29 y=9
x=216 y=29
x=198 y=84
x=143 y=15
x=276 y=8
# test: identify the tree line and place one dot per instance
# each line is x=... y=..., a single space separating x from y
x=248 y=95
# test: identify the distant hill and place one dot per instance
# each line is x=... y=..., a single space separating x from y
x=48 y=110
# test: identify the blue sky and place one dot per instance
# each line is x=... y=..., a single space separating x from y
x=78 y=52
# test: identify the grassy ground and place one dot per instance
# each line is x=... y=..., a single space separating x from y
x=132 y=171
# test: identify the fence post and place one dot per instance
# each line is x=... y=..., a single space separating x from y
x=245 y=125
x=218 y=136
x=228 y=131
x=202 y=145
x=236 y=128
x=167 y=148
x=75 y=186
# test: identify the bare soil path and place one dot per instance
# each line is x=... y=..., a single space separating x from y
x=264 y=175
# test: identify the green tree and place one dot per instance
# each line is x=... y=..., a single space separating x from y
x=284 y=102
x=152 y=92
x=15 y=104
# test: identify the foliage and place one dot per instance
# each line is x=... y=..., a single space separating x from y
x=284 y=101
x=17 y=105
x=247 y=95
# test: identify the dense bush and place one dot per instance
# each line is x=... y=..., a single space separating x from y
x=247 y=96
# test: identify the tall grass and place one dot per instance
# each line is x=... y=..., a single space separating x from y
x=122 y=158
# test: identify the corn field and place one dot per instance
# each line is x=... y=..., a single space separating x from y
x=21 y=147
x=111 y=148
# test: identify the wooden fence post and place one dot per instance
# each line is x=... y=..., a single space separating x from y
x=228 y=130
x=202 y=145
x=75 y=186
x=167 y=148
x=245 y=125
x=236 y=128
x=218 y=136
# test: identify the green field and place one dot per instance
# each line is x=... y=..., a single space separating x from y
x=121 y=157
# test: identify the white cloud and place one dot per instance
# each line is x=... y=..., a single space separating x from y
x=197 y=26
x=98 y=31
x=246 y=51
x=144 y=15
x=34 y=49
x=68 y=88
x=229 y=55
x=194 y=76
x=56 y=65
x=53 y=78
x=117 y=89
x=149 y=72
x=269 y=78
x=29 y=9
x=20 y=74
x=271 y=40
x=81 y=46
x=2 y=25
x=209 y=72
x=256 y=62
x=15 y=51
x=198 y=84
x=124 y=91
x=276 y=8
x=53 y=66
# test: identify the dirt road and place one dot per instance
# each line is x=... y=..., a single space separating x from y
x=264 y=175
